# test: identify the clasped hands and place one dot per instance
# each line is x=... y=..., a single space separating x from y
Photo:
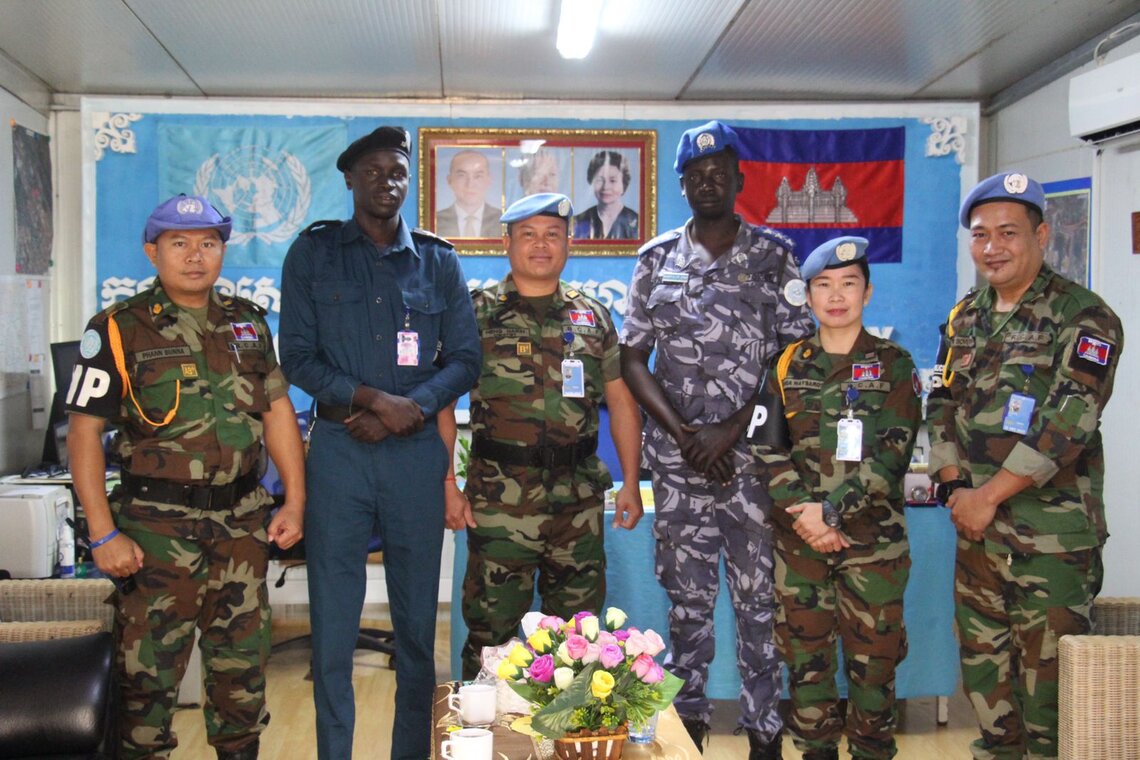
x=814 y=531
x=386 y=415
x=708 y=449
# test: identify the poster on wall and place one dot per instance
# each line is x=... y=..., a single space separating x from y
x=32 y=195
x=1067 y=205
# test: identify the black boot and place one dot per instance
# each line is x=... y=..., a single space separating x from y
x=248 y=752
x=759 y=749
x=831 y=753
x=698 y=732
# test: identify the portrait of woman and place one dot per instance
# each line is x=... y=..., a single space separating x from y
x=610 y=219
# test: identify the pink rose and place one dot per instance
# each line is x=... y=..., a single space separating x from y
x=621 y=635
x=656 y=645
x=605 y=638
x=542 y=669
x=593 y=652
x=576 y=646
x=647 y=670
x=551 y=623
x=636 y=643
x=578 y=619
x=611 y=655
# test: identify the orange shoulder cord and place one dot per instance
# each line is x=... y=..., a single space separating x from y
x=782 y=366
x=121 y=365
x=947 y=378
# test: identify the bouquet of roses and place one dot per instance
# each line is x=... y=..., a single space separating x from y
x=583 y=677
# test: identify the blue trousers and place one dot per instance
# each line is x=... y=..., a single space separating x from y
x=393 y=489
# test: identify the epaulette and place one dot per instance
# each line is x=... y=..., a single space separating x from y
x=664 y=237
x=117 y=306
x=432 y=236
x=588 y=297
x=230 y=302
x=778 y=238
x=322 y=224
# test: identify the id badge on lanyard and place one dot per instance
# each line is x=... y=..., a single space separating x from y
x=573 y=371
x=1018 y=414
x=408 y=343
x=849 y=447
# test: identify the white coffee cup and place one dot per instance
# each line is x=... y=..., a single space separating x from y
x=474 y=704
x=467 y=744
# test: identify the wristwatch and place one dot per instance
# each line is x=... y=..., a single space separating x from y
x=831 y=516
x=944 y=490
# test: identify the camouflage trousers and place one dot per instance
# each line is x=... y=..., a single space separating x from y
x=822 y=598
x=1011 y=612
x=695 y=524
x=505 y=551
x=212 y=582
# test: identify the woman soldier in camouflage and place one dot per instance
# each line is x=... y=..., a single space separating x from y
x=852 y=406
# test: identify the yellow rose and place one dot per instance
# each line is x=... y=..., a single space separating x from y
x=520 y=656
x=540 y=641
x=507 y=671
x=601 y=684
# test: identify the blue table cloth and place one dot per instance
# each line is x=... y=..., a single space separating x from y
x=930 y=669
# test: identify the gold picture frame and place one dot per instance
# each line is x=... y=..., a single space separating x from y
x=491 y=168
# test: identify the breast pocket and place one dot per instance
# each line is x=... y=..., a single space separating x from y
x=508 y=363
x=1026 y=368
x=339 y=308
x=158 y=386
x=665 y=306
x=423 y=311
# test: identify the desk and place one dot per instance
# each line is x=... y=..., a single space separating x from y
x=672 y=742
x=931 y=668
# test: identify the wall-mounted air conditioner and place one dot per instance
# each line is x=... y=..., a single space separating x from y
x=1105 y=103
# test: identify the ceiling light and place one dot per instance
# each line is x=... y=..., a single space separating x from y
x=577 y=25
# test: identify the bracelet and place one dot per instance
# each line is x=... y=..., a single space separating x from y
x=103 y=540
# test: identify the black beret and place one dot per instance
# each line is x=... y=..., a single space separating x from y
x=382 y=138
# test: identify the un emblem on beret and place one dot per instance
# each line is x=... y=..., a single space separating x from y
x=845 y=251
x=705 y=140
x=1015 y=183
x=564 y=207
x=189 y=206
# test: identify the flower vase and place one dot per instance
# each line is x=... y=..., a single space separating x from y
x=603 y=744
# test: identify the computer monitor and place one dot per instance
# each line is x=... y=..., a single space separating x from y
x=63 y=358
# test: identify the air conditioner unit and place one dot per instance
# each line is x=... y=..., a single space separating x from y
x=1105 y=103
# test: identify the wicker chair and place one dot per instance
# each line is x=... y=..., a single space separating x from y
x=1100 y=685
x=57 y=655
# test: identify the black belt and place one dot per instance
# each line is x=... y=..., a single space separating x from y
x=333 y=412
x=546 y=457
x=188 y=494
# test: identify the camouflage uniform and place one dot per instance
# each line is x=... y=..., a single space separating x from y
x=204 y=568
x=715 y=326
x=856 y=593
x=535 y=518
x=1033 y=577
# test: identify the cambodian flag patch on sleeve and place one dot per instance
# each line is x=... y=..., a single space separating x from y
x=1094 y=350
x=582 y=317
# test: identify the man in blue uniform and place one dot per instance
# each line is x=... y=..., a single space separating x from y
x=377 y=325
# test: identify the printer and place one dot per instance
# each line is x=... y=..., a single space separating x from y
x=30 y=516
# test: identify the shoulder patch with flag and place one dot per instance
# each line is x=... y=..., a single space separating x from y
x=582 y=317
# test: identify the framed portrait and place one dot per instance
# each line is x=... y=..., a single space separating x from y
x=469 y=176
x=1067 y=212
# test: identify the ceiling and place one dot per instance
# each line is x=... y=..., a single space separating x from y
x=664 y=50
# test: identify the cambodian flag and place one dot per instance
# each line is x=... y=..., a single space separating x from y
x=814 y=185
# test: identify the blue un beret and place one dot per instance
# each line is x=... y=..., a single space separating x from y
x=1007 y=186
x=381 y=138
x=546 y=204
x=186 y=212
x=837 y=252
x=705 y=140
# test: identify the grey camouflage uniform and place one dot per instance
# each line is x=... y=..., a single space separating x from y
x=715 y=326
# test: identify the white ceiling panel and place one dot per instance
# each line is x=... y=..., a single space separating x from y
x=89 y=46
x=304 y=49
x=657 y=50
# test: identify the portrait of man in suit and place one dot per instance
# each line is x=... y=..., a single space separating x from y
x=471 y=216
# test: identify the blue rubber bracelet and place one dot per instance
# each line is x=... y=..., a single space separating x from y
x=103 y=540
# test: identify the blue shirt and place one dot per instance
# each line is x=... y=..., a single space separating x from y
x=344 y=299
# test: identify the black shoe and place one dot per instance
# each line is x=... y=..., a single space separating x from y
x=698 y=732
x=248 y=752
x=758 y=749
x=831 y=753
